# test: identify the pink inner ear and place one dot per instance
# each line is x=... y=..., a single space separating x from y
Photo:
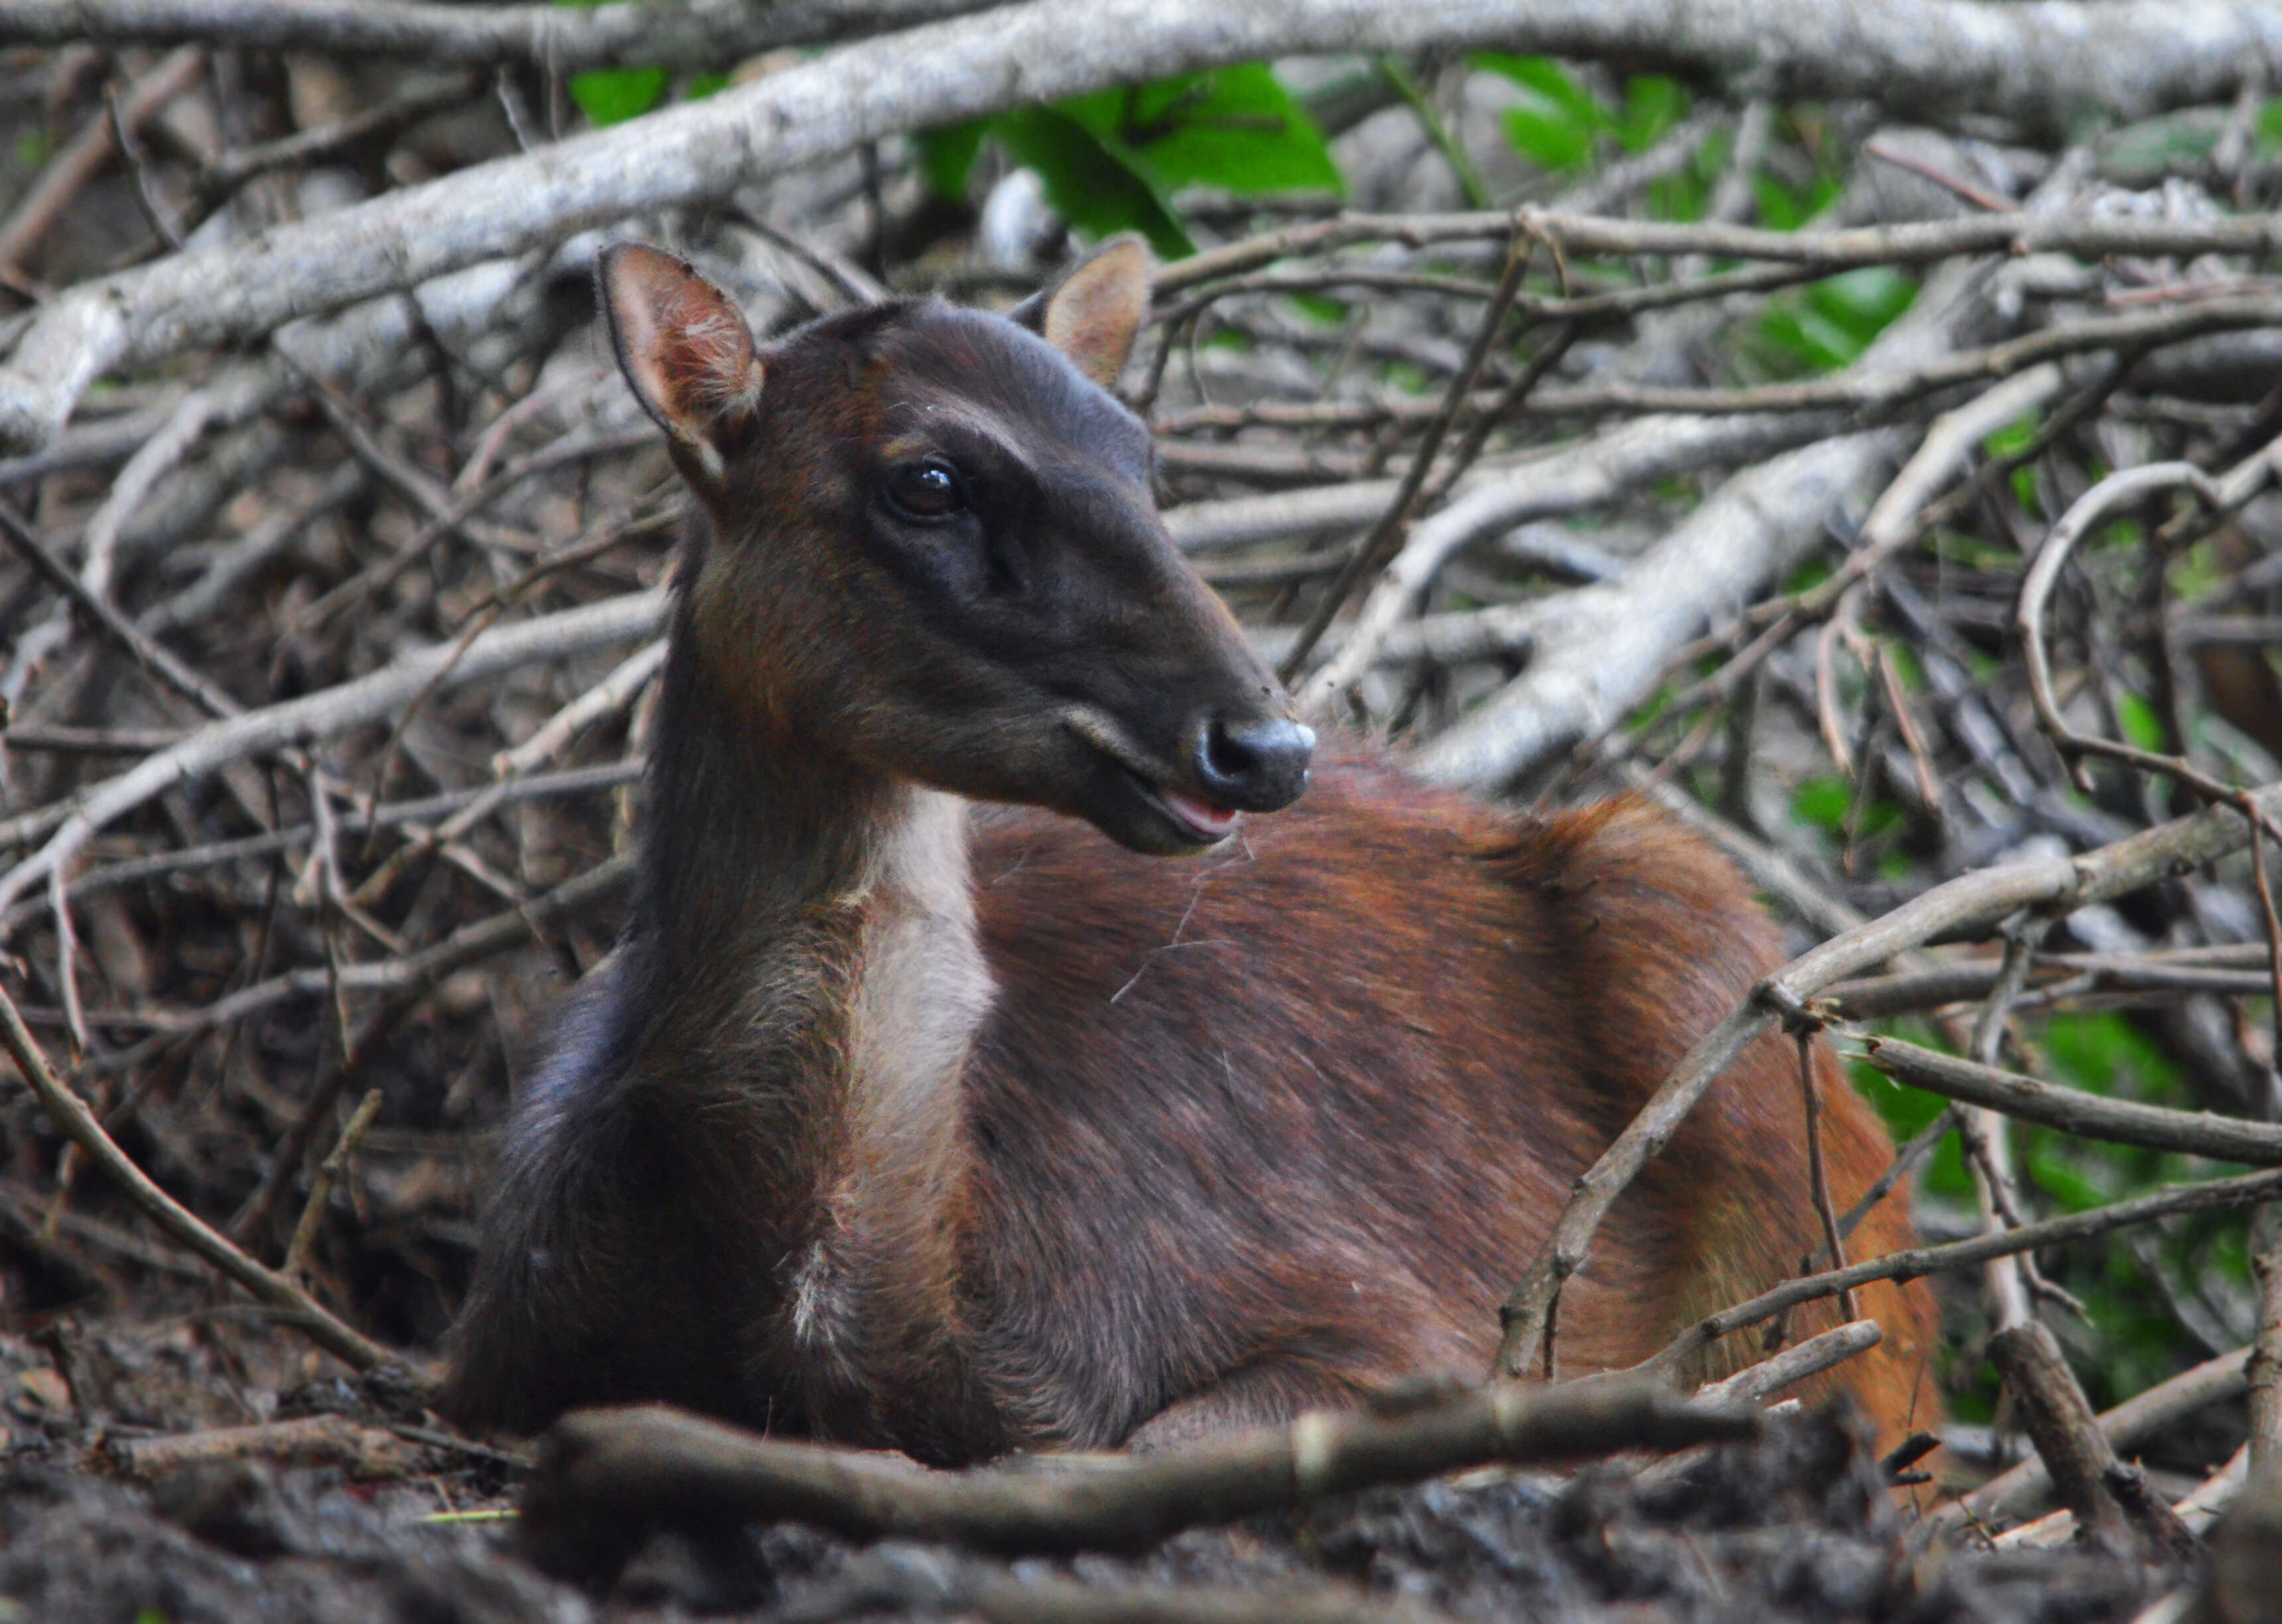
x=1094 y=316
x=682 y=342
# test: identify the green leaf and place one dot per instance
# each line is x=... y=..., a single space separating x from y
x=1653 y=105
x=611 y=96
x=2104 y=1052
x=1320 y=308
x=1554 y=122
x=1235 y=128
x=947 y=156
x=1821 y=802
x=1094 y=184
x=1829 y=324
x=1787 y=208
x=702 y=85
x=2141 y=729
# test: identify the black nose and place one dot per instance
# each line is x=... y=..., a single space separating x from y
x=1258 y=764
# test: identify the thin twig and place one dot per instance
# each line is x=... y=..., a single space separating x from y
x=78 y=1123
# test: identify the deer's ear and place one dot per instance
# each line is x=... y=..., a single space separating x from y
x=685 y=348
x=1095 y=313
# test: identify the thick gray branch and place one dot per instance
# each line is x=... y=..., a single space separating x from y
x=2046 y=64
x=693 y=34
x=1596 y=651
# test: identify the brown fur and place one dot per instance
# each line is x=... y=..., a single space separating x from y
x=963 y=1133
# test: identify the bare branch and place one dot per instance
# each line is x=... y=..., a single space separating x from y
x=313 y=716
x=701 y=34
x=604 y=1473
x=2122 y=1121
x=76 y=1122
x=2041 y=63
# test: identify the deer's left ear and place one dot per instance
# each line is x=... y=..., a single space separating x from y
x=1095 y=313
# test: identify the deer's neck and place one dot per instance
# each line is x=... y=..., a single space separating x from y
x=818 y=983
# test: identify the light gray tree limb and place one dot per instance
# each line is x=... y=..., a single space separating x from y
x=1596 y=650
x=703 y=34
x=2047 y=65
x=314 y=716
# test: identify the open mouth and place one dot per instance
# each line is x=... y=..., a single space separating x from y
x=1146 y=811
x=1208 y=822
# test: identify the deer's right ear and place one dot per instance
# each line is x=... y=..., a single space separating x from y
x=1095 y=312
x=685 y=349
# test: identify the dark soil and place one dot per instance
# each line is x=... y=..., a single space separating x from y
x=1796 y=1527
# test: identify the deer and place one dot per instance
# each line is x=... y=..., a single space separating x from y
x=1028 y=1035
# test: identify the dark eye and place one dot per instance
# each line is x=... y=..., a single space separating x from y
x=926 y=490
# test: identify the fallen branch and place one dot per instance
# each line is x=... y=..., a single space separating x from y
x=605 y=1476
x=369 y=1453
x=2052 y=1411
x=1596 y=650
x=2136 y=1418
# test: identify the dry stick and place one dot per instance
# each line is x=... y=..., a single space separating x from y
x=138 y=164
x=607 y=697
x=1407 y=578
x=2265 y=1370
x=77 y=1123
x=153 y=658
x=1902 y=516
x=1921 y=1146
x=1985 y=1134
x=1369 y=553
x=230 y=170
x=1916 y=242
x=1759 y=1382
x=2093 y=1117
x=604 y=1475
x=165 y=667
x=573 y=781
x=2053 y=1412
x=448 y=512
x=1818 y=1178
x=2212 y=1195
x=2142 y=1415
x=2232 y=969
x=1972 y=901
x=1872 y=394
x=1597 y=309
x=404 y=979
x=2197 y=1510
x=311 y=716
x=328 y=1173
x=1601 y=646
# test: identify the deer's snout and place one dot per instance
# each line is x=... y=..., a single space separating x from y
x=1258 y=764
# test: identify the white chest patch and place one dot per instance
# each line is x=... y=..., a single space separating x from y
x=922 y=990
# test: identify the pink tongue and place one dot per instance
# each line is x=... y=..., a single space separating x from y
x=1207 y=817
